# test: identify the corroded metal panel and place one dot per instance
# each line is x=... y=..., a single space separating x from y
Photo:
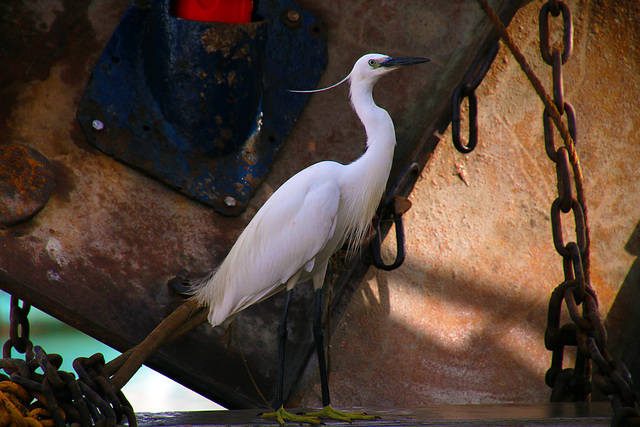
x=99 y=254
x=202 y=106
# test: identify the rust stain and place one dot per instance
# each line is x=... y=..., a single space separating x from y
x=26 y=182
x=223 y=37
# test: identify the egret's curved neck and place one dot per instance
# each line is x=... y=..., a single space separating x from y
x=367 y=176
x=376 y=120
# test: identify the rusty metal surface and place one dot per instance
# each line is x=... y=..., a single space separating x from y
x=26 y=183
x=100 y=253
x=202 y=106
x=463 y=320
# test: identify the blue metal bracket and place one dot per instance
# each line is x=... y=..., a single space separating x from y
x=203 y=107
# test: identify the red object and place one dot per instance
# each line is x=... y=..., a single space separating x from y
x=229 y=11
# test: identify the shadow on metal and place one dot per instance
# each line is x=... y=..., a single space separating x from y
x=623 y=320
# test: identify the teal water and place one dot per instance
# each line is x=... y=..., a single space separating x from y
x=148 y=390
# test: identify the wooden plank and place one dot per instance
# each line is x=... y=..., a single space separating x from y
x=535 y=414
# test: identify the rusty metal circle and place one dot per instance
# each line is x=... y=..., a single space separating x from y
x=26 y=183
x=291 y=17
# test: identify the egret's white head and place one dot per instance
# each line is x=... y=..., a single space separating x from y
x=372 y=66
x=369 y=68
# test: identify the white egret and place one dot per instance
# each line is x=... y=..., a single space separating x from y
x=293 y=235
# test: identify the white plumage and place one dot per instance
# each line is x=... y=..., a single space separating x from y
x=293 y=235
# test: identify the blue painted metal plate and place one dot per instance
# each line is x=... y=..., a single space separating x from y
x=202 y=106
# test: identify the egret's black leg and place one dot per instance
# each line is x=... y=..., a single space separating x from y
x=282 y=343
x=280 y=414
x=318 y=336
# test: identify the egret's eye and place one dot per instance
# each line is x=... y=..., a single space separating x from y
x=372 y=63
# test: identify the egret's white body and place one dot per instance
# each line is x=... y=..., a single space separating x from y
x=309 y=218
x=291 y=239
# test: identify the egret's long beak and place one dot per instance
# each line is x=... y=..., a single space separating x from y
x=400 y=62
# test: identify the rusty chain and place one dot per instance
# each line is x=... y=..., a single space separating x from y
x=18 y=330
x=586 y=331
x=567 y=384
x=55 y=397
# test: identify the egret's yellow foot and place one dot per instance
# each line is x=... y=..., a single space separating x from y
x=281 y=415
x=329 y=412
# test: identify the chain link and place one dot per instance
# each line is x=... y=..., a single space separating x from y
x=555 y=8
x=56 y=397
x=567 y=384
x=587 y=331
x=18 y=331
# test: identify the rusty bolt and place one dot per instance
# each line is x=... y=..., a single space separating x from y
x=230 y=201
x=26 y=183
x=97 y=124
x=291 y=17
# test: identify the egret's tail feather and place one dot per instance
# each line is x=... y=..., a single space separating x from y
x=196 y=287
x=211 y=291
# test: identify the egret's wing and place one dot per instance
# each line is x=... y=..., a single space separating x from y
x=291 y=238
x=284 y=237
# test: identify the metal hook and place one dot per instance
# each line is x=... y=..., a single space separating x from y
x=470 y=83
x=397 y=219
x=400 y=250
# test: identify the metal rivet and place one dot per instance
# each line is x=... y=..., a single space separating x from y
x=97 y=124
x=293 y=15
x=230 y=201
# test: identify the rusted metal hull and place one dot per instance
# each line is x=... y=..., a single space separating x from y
x=463 y=320
x=100 y=253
